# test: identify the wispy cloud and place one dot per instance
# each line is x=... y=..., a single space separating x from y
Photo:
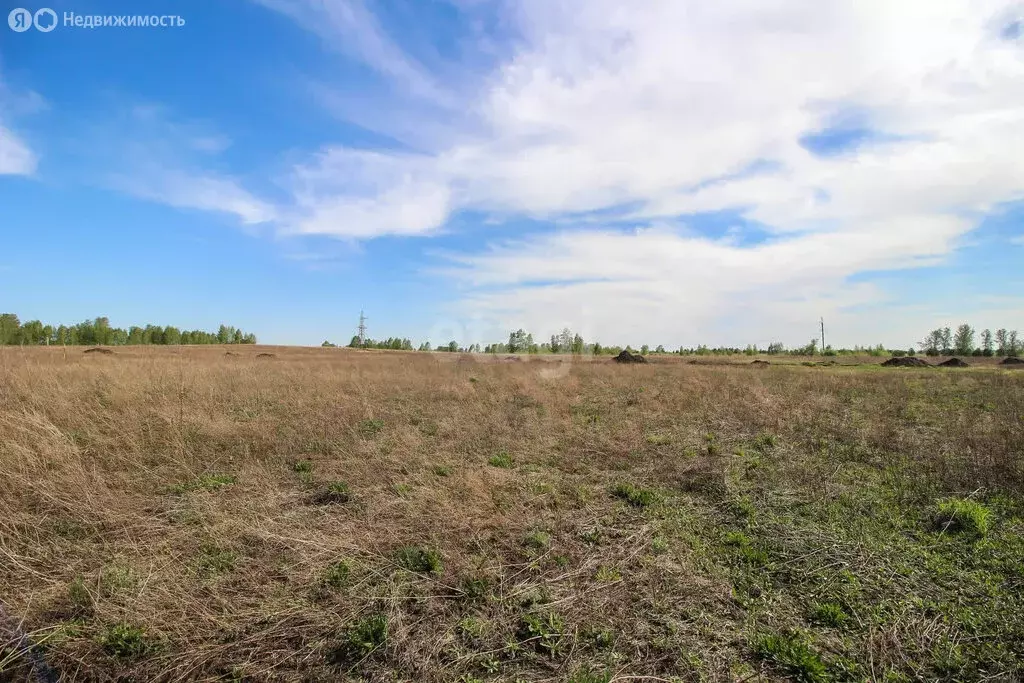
x=675 y=109
x=350 y=28
x=149 y=154
x=16 y=158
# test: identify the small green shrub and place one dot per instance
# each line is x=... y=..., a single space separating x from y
x=607 y=574
x=828 y=614
x=125 y=641
x=503 y=460
x=337 y=574
x=962 y=515
x=475 y=587
x=634 y=495
x=546 y=632
x=302 y=467
x=538 y=540
x=364 y=638
x=420 y=560
x=792 y=655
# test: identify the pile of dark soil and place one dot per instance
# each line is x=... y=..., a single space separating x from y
x=906 y=362
x=627 y=357
x=953 y=363
x=1012 y=360
x=98 y=349
x=759 y=362
x=266 y=355
x=230 y=353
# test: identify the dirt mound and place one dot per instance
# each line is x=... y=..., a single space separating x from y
x=759 y=362
x=266 y=355
x=953 y=363
x=98 y=349
x=1012 y=360
x=906 y=362
x=627 y=357
x=230 y=353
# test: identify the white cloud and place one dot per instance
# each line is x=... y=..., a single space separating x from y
x=652 y=111
x=193 y=190
x=15 y=156
x=349 y=27
x=359 y=194
x=148 y=154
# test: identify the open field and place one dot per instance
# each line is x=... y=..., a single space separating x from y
x=341 y=515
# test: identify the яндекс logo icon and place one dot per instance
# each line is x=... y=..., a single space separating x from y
x=20 y=19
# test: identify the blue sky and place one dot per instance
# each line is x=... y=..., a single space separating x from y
x=675 y=175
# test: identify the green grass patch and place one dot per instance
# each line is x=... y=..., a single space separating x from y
x=502 y=460
x=635 y=495
x=125 y=641
x=962 y=515
x=418 y=559
x=792 y=655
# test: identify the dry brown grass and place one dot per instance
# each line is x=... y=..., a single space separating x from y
x=111 y=511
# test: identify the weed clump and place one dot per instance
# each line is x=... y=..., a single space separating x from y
x=337 y=574
x=538 y=539
x=125 y=641
x=419 y=560
x=634 y=495
x=962 y=515
x=502 y=460
x=545 y=633
x=792 y=655
x=364 y=638
x=828 y=614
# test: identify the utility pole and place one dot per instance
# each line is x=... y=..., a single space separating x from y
x=362 y=330
x=823 y=335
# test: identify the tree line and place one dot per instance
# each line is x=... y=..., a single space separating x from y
x=945 y=342
x=99 y=332
x=942 y=341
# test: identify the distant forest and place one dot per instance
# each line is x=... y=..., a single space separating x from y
x=943 y=341
x=99 y=332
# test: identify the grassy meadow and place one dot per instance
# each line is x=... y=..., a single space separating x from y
x=327 y=514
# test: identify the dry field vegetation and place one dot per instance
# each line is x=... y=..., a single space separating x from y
x=342 y=515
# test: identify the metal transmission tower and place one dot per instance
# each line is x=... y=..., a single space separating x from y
x=362 y=330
